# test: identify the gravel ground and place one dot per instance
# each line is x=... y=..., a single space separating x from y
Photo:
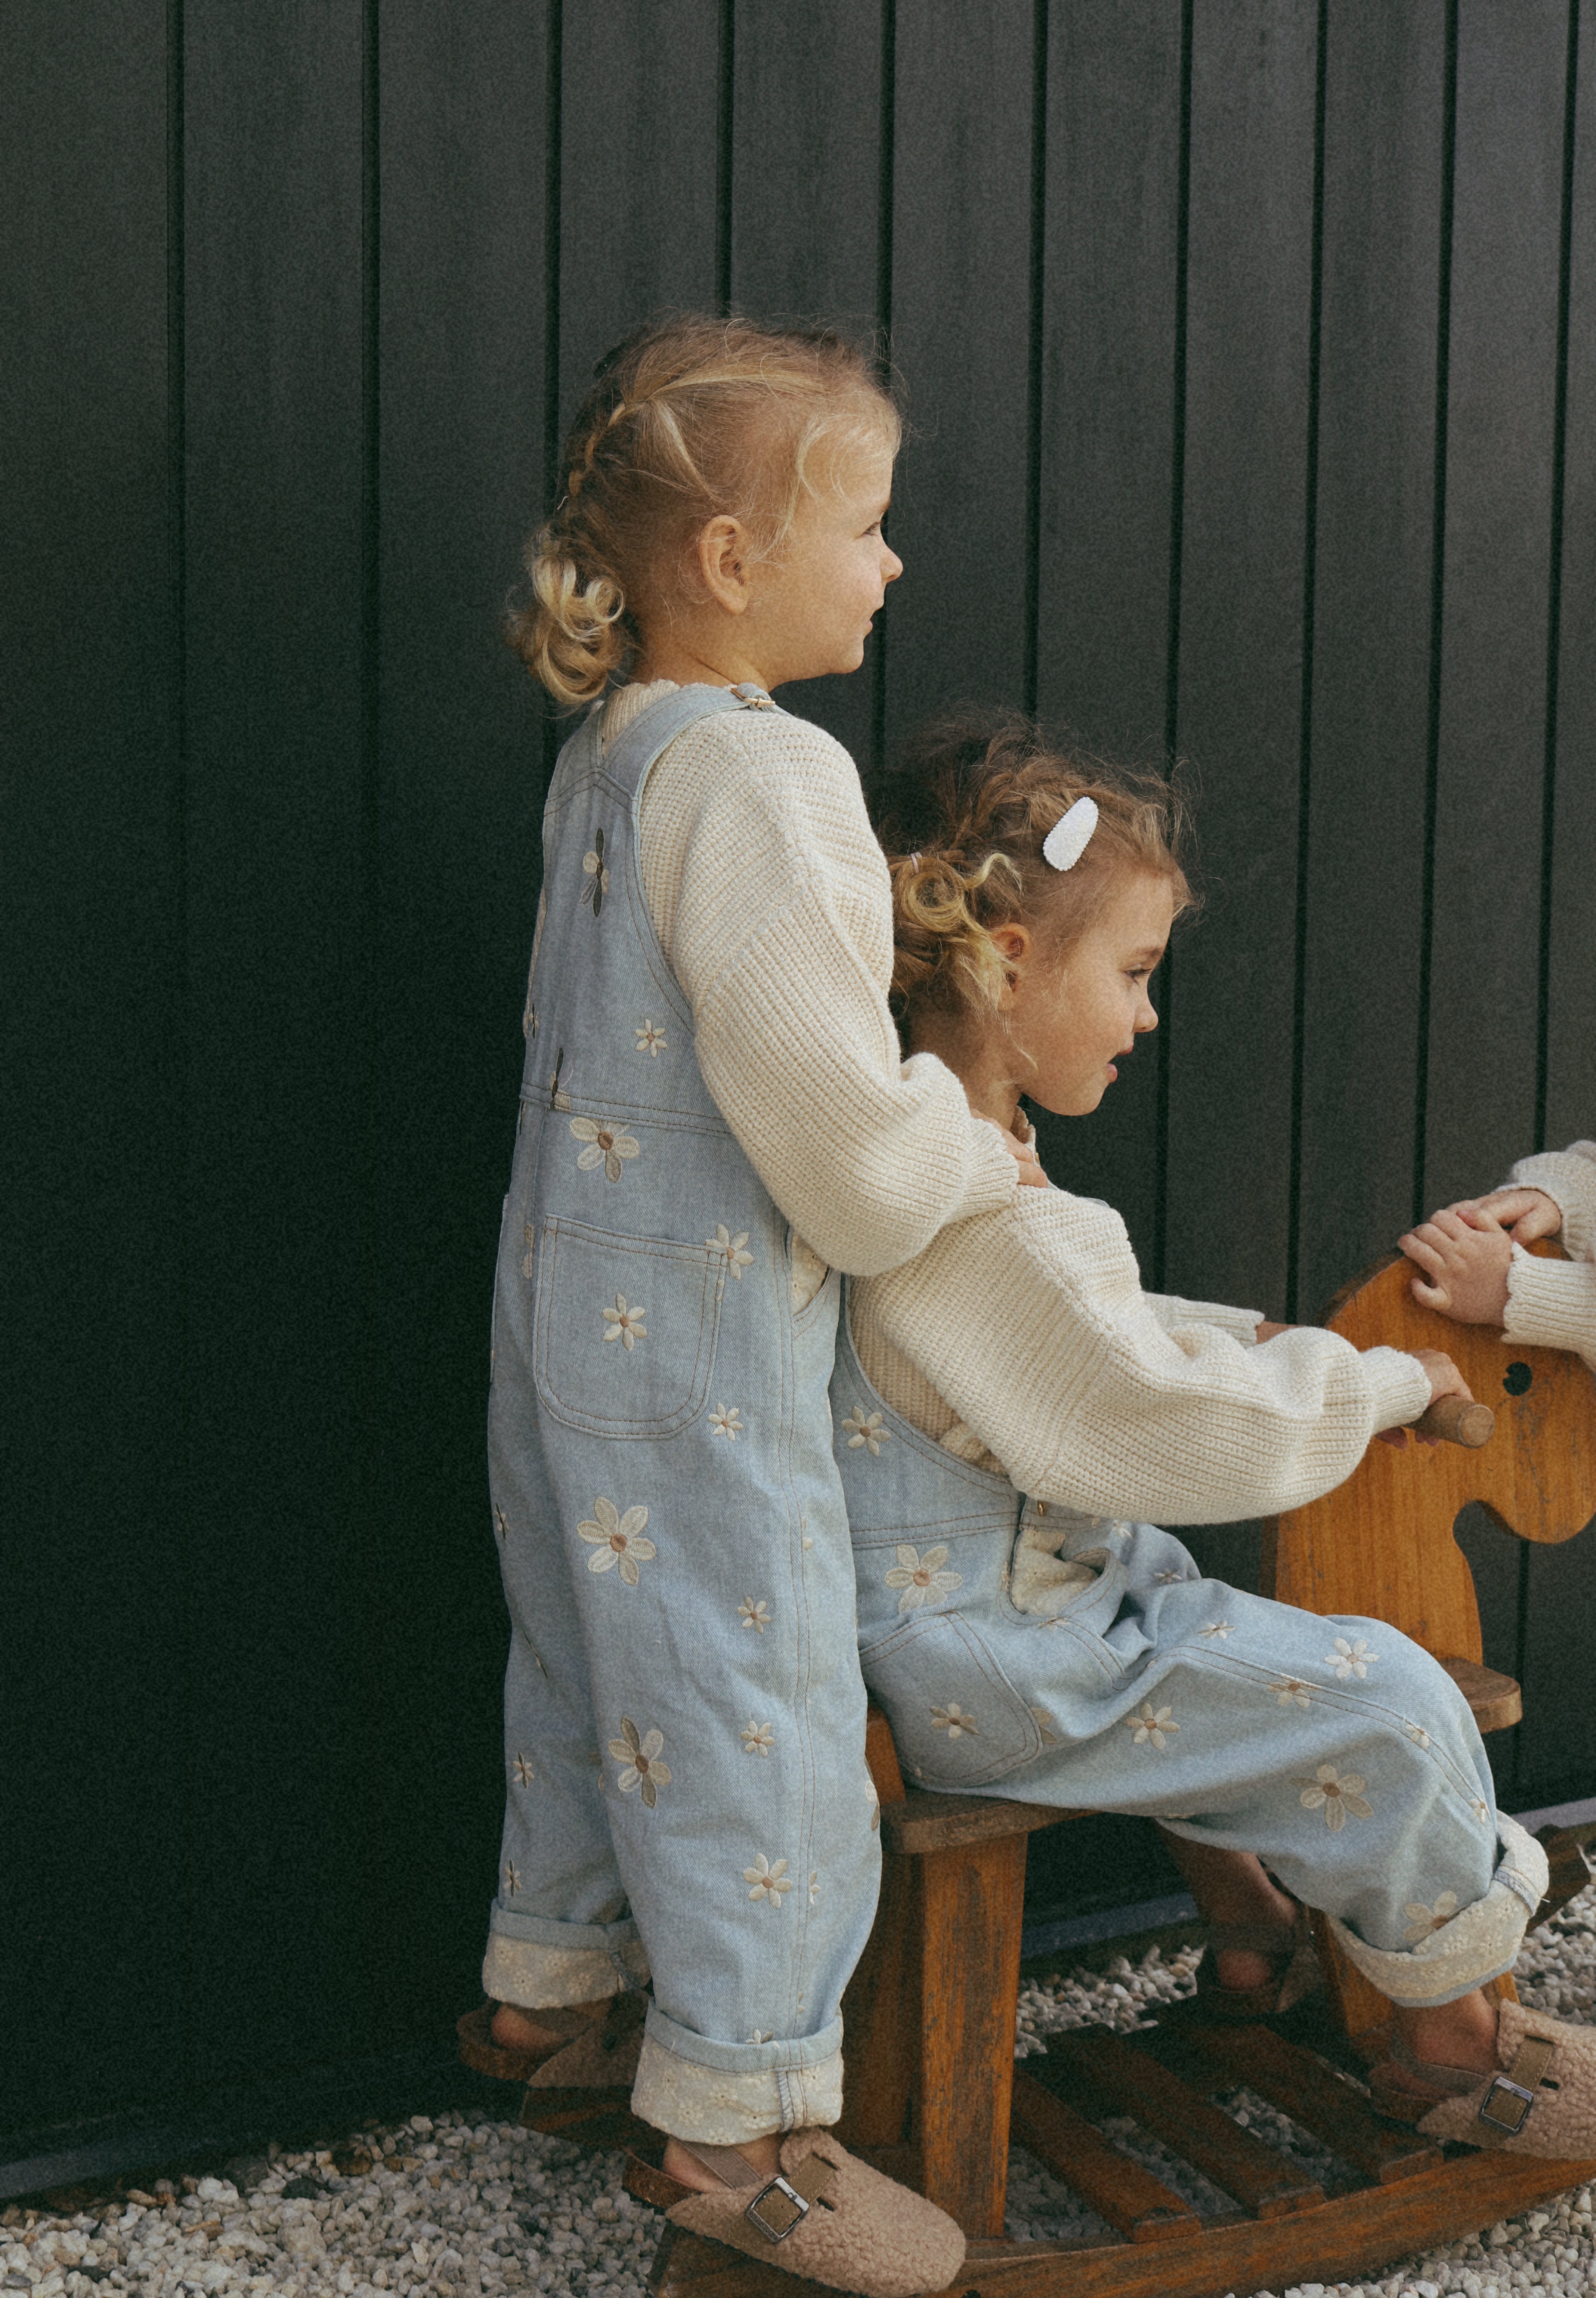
x=469 y=2210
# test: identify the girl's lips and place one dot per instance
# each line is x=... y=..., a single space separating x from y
x=1113 y=1072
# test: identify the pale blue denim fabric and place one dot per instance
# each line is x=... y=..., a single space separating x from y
x=1336 y=1748
x=684 y=1716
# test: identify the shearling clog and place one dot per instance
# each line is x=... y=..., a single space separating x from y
x=828 y=2216
x=1541 y=2101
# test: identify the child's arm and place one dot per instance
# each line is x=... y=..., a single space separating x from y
x=775 y=907
x=1031 y=1324
x=1478 y=1273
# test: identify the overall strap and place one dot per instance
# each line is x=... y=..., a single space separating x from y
x=629 y=757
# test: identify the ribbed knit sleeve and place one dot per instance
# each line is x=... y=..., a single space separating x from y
x=773 y=907
x=1552 y=1303
x=1032 y=1326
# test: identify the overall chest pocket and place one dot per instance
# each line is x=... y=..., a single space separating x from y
x=957 y=1722
x=624 y=1330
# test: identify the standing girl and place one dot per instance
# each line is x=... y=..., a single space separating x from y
x=714 y=1118
x=1050 y=1646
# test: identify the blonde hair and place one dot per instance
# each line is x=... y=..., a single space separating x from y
x=690 y=418
x=962 y=821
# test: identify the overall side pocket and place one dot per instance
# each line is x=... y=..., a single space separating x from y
x=624 y=1330
x=956 y=1720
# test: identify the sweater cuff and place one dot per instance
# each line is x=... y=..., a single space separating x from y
x=1399 y=1386
x=1568 y=1178
x=991 y=1175
x=1551 y=1304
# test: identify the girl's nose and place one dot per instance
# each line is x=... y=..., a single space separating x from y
x=893 y=567
x=1146 y=1019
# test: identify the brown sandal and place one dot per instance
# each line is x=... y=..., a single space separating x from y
x=591 y=2054
x=1541 y=2101
x=1294 y=1971
x=824 y=2214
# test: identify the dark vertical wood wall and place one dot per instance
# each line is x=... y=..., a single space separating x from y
x=1251 y=349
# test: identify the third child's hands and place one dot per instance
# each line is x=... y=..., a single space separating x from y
x=1465 y=1258
x=1524 y=1213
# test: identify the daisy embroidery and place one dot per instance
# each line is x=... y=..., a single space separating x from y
x=1151 y=1726
x=501 y=1522
x=529 y=1020
x=758 y=1739
x=767 y=1882
x=875 y=1803
x=754 y=1612
x=524 y=1775
x=1169 y=1579
x=919 y=1576
x=512 y=1877
x=1220 y=1628
x=1422 y=1920
x=625 y=1323
x=814 y=1885
x=609 y=1145
x=727 y=1421
x=953 y=1720
x=759 y=2036
x=1290 y=1692
x=641 y=1760
x=1481 y=1809
x=648 y=1038
x=1336 y=1796
x=529 y=1258
x=738 y=1258
x=1417 y=1735
x=1044 y=1723
x=596 y=874
x=1354 y=1658
x=865 y=1429
x=615 y=1539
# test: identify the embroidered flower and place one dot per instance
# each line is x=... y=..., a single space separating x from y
x=615 y=1541
x=512 y=1877
x=529 y=1019
x=727 y=1421
x=1169 y=1579
x=754 y=1612
x=1417 y=1735
x=769 y=1882
x=1336 y=1796
x=609 y=1146
x=875 y=1803
x=1151 y=1726
x=814 y=1885
x=1044 y=1723
x=759 y=2036
x=1481 y=1810
x=758 y=1739
x=640 y=1758
x=1220 y=1628
x=524 y=1775
x=623 y=1324
x=737 y=1259
x=866 y=1428
x=596 y=874
x=919 y=1576
x=529 y=1238
x=1422 y=1920
x=1289 y=1690
x=648 y=1038
x=953 y=1720
x=1353 y=1658
x=501 y=1522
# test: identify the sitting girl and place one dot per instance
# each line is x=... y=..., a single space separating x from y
x=1476 y=1269
x=1008 y=1404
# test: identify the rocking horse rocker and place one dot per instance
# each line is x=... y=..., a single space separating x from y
x=933 y=2094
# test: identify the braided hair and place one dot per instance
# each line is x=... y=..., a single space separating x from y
x=690 y=418
x=962 y=820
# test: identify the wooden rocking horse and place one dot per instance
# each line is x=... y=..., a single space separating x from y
x=933 y=2094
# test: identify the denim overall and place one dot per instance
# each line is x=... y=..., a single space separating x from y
x=684 y=1717
x=1021 y=1649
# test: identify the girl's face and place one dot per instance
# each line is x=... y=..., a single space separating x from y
x=1073 y=1017
x=810 y=610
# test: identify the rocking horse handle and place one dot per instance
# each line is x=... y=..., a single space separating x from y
x=1457 y=1420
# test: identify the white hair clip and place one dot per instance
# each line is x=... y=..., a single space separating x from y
x=1071 y=834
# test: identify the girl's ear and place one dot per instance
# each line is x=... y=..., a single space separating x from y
x=1015 y=944
x=724 y=559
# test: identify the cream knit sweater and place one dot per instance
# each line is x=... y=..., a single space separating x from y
x=1552 y=1303
x=773 y=904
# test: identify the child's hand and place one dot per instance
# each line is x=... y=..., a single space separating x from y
x=1024 y=1154
x=1524 y=1213
x=1467 y=1258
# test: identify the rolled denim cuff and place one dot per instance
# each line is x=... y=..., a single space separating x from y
x=540 y=1965
x=1465 y=1950
x=724 y=2094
